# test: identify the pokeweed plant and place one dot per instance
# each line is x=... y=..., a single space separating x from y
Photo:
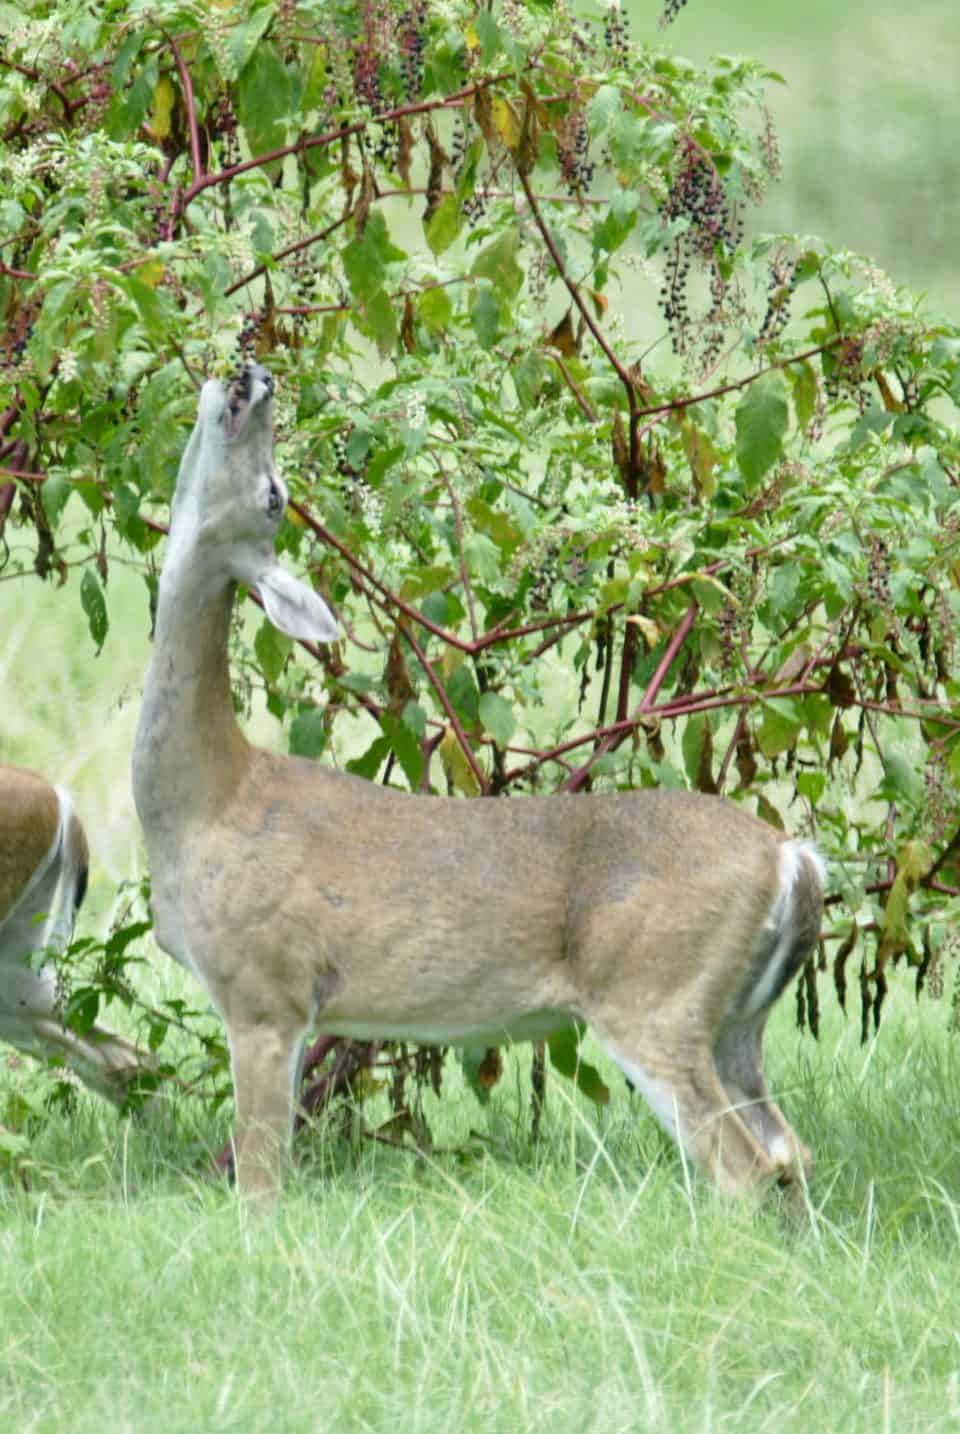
x=609 y=489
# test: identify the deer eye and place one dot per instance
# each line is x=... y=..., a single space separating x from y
x=274 y=501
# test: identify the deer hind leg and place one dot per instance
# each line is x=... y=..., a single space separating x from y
x=784 y=944
x=737 y=1056
x=680 y=1084
x=266 y=1061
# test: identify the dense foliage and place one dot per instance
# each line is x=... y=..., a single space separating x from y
x=608 y=489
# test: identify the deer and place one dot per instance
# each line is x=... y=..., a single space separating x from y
x=304 y=897
x=44 y=861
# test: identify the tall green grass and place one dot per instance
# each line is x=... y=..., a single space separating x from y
x=586 y=1282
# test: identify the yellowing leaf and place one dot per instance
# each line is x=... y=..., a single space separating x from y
x=506 y=121
x=150 y=273
x=456 y=766
x=914 y=860
x=651 y=631
x=702 y=457
x=164 y=99
x=471 y=37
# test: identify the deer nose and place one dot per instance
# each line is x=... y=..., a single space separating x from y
x=264 y=376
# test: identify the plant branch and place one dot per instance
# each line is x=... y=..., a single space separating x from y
x=191 y=108
x=447 y=706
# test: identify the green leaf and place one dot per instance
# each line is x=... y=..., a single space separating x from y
x=498 y=263
x=126 y=55
x=82 y=1009
x=488 y=34
x=435 y=310
x=54 y=494
x=272 y=649
x=467 y=173
x=405 y=748
x=95 y=606
x=444 y=224
x=779 y=729
x=414 y=717
x=803 y=381
x=149 y=305
x=263 y=92
x=243 y=37
x=382 y=322
x=124 y=937
x=369 y=763
x=691 y=744
x=617 y=222
x=496 y=714
x=762 y=418
x=811 y=785
x=485 y=317
x=365 y=259
x=901 y=780
x=564 y=1047
x=528 y=377
x=462 y=691
x=308 y=733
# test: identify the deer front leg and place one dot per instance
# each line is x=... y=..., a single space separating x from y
x=106 y=1062
x=265 y=1061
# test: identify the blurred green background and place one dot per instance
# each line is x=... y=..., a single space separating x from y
x=869 y=120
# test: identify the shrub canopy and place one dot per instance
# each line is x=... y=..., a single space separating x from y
x=610 y=489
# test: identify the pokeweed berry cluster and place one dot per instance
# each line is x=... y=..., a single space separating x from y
x=373 y=42
x=573 y=154
x=616 y=34
x=411 y=28
x=698 y=196
x=670 y=11
x=781 y=282
x=711 y=227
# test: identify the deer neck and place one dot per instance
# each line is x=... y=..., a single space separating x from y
x=189 y=752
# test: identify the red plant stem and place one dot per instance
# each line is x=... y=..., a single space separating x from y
x=471 y=649
x=191 y=108
x=676 y=404
x=621 y=372
x=731 y=748
x=23 y=474
x=391 y=598
x=447 y=706
x=7 y=493
x=453 y=101
x=666 y=661
x=284 y=253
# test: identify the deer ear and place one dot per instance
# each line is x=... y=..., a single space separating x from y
x=295 y=608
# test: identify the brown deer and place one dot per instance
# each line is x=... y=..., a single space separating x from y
x=301 y=896
x=43 y=877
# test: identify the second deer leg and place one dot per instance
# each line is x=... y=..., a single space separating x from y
x=266 y=1061
x=737 y=1055
x=683 y=1090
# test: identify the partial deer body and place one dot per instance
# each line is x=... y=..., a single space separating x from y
x=302 y=897
x=43 y=877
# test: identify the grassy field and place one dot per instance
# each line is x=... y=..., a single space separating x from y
x=587 y=1282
